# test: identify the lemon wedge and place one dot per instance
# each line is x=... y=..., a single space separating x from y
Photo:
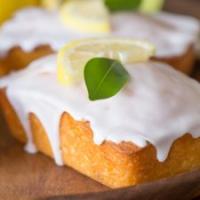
x=90 y=16
x=73 y=57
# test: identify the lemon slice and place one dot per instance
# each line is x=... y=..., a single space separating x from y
x=90 y=16
x=51 y=4
x=73 y=57
x=151 y=6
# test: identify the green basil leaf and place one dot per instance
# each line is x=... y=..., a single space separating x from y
x=104 y=77
x=122 y=5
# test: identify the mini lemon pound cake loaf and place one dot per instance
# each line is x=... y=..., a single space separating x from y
x=149 y=130
x=35 y=32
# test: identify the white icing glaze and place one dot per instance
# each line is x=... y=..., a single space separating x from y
x=172 y=34
x=33 y=27
x=158 y=105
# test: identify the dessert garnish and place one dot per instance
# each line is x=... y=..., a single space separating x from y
x=52 y=4
x=151 y=6
x=122 y=5
x=104 y=77
x=73 y=57
x=90 y=16
x=147 y=6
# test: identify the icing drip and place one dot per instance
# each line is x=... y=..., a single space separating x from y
x=17 y=103
x=158 y=105
x=172 y=34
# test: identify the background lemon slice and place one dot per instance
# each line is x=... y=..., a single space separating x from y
x=151 y=6
x=85 y=16
x=73 y=57
x=52 y=4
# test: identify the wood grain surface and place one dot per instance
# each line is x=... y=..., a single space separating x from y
x=181 y=187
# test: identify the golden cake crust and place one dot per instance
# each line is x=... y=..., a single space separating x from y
x=115 y=165
x=16 y=58
x=183 y=63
